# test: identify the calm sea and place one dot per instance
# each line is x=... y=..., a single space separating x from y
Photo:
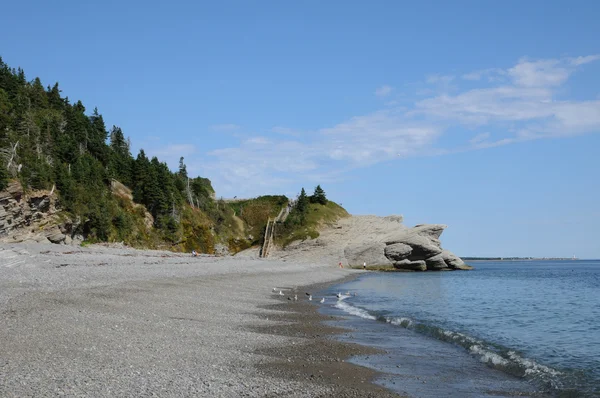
x=525 y=328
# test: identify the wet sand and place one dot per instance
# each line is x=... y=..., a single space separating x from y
x=317 y=358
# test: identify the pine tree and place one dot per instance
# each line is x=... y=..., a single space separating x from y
x=302 y=203
x=182 y=169
x=97 y=137
x=319 y=196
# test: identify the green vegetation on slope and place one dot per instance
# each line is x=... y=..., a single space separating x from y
x=108 y=195
x=255 y=213
x=307 y=216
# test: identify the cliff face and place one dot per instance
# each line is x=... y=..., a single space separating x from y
x=376 y=241
x=31 y=216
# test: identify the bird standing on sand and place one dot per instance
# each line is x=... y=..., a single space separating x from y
x=280 y=293
x=339 y=295
x=322 y=300
x=295 y=297
x=309 y=297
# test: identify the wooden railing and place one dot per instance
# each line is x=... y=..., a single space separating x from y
x=270 y=230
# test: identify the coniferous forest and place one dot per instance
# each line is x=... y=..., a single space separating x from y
x=48 y=142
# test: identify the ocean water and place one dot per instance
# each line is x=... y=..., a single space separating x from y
x=527 y=328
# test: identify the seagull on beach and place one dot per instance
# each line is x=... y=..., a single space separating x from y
x=322 y=300
x=309 y=297
x=295 y=297
x=280 y=293
x=339 y=295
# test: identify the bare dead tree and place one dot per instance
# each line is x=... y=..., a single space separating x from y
x=11 y=157
x=188 y=190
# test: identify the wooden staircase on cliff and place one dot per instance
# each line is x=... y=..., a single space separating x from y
x=270 y=230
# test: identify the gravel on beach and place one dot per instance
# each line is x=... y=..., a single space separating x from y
x=109 y=322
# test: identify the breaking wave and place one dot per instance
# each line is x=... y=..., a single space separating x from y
x=492 y=355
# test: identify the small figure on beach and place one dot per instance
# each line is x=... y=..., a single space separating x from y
x=194 y=253
x=365 y=265
x=322 y=300
x=341 y=266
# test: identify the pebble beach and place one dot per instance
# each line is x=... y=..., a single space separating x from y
x=115 y=322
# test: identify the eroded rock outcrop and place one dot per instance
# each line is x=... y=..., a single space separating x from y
x=417 y=249
x=384 y=242
x=31 y=216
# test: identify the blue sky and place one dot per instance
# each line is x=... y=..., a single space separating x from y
x=483 y=115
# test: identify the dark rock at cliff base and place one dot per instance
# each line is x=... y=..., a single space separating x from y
x=436 y=263
x=398 y=251
x=418 y=265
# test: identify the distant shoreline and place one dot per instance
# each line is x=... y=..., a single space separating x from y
x=520 y=258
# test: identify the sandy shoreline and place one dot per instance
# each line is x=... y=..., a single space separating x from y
x=120 y=322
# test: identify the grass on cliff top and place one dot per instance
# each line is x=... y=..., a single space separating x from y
x=317 y=217
x=254 y=214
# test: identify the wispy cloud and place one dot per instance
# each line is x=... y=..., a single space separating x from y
x=479 y=138
x=507 y=105
x=225 y=127
x=175 y=150
x=437 y=79
x=383 y=91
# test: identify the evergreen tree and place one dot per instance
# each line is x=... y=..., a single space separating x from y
x=182 y=169
x=97 y=138
x=49 y=141
x=318 y=196
x=3 y=177
x=120 y=163
x=302 y=203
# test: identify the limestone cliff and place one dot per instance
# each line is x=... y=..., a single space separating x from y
x=376 y=241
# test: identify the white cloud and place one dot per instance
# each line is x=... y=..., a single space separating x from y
x=225 y=127
x=376 y=137
x=542 y=73
x=508 y=106
x=472 y=76
x=479 y=138
x=530 y=101
x=584 y=60
x=439 y=79
x=383 y=91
